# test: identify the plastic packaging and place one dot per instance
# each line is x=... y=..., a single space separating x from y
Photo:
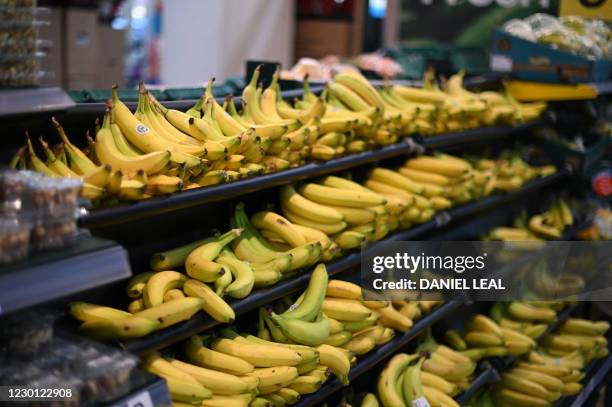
x=26 y=333
x=14 y=240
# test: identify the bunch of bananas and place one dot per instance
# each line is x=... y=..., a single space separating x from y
x=547 y=225
x=406 y=381
x=556 y=369
x=159 y=151
x=453 y=108
x=509 y=172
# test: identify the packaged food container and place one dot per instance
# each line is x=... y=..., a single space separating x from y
x=26 y=333
x=14 y=240
x=54 y=230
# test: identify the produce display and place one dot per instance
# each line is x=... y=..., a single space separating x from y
x=547 y=225
x=546 y=367
x=578 y=35
x=160 y=151
x=319 y=222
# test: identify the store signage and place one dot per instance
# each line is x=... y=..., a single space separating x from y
x=601 y=9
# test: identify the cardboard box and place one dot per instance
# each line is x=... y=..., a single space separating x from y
x=318 y=38
x=81 y=42
x=111 y=56
x=54 y=60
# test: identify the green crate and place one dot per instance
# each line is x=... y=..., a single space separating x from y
x=184 y=93
x=79 y=96
x=583 y=162
x=126 y=95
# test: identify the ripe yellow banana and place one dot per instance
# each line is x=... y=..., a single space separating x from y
x=214 y=305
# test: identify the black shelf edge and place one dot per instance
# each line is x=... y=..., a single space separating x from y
x=201 y=322
x=597 y=373
x=380 y=354
x=33 y=101
x=45 y=277
x=152 y=394
x=485 y=377
x=189 y=198
x=480 y=135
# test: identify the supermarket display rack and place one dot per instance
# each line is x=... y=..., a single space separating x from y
x=34 y=101
x=47 y=276
x=107 y=262
x=263 y=296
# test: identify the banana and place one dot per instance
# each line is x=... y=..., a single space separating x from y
x=208 y=358
x=289 y=395
x=238 y=400
x=308 y=309
x=307 y=353
x=360 y=345
x=551 y=370
x=188 y=392
x=244 y=279
x=525 y=312
x=107 y=152
x=483 y=339
x=272 y=379
x=453 y=338
x=306 y=384
x=451 y=354
x=410 y=383
x=375 y=305
x=355 y=216
x=437 y=382
x=172 y=312
x=302 y=332
x=369 y=400
x=392 y=318
x=258 y=355
x=435 y=165
x=347 y=96
x=84 y=311
x=162 y=184
x=425 y=177
x=134 y=326
x=343 y=289
x=159 y=283
x=327 y=228
x=419 y=95
x=349 y=239
x=339 y=338
x=218 y=382
x=306 y=208
x=312 y=235
x=433 y=394
x=335 y=326
x=199 y=263
x=271 y=221
x=517 y=383
x=396 y=180
x=214 y=305
x=345 y=310
x=390 y=394
x=145 y=138
x=514 y=398
x=483 y=323
x=355 y=326
x=173 y=258
x=549 y=382
x=336 y=360
x=571 y=389
x=173 y=294
x=360 y=85
x=578 y=326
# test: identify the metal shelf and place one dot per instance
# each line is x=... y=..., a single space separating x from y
x=485 y=377
x=380 y=354
x=33 y=101
x=484 y=134
x=48 y=276
x=263 y=296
